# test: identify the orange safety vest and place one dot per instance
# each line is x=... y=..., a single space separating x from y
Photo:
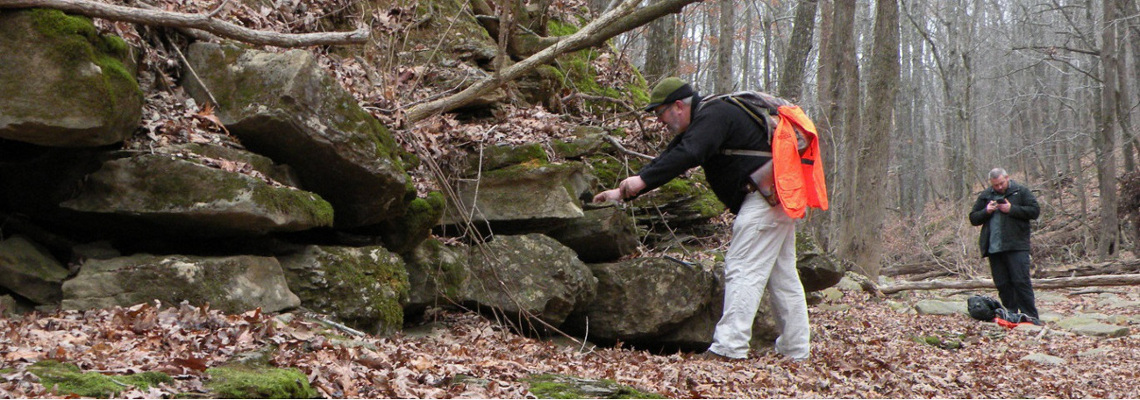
x=799 y=178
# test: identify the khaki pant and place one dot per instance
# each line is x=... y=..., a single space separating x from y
x=762 y=255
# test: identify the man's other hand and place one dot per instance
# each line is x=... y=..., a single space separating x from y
x=1004 y=207
x=612 y=194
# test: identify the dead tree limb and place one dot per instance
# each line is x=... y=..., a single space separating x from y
x=1050 y=283
x=623 y=18
x=204 y=22
x=622 y=149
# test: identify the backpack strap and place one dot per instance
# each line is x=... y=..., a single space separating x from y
x=742 y=152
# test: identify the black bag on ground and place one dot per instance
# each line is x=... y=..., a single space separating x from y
x=983 y=308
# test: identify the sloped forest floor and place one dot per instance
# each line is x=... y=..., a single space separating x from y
x=868 y=350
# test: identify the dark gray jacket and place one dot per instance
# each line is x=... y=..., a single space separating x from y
x=1015 y=225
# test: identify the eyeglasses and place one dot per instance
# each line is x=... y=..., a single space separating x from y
x=661 y=110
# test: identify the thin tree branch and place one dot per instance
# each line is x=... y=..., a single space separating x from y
x=197 y=21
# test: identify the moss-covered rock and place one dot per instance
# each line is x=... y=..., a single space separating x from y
x=552 y=386
x=405 y=233
x=492 y=158
x=65 y=379
x=280 y=173
x=76 y=87
x=284 y=106
x=577 y=70
x=193 y=199
x=231 y=284
x=529 y=275
x=29 y=270
x=366 y=287
x=437 y=274
x=527 y=197
x=237 y=382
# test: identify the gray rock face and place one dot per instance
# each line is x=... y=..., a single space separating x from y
x=30 y=271
x=62 y=84
x=644 y=297
x=282 y=105
x=530 y=273
x=197 y=199
x=696 y=332
x=601 y=235
x=437 y=275
x=363 y=286
x=522 y=198
x=231 y=284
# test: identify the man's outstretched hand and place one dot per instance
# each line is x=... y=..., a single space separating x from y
x=629 y=187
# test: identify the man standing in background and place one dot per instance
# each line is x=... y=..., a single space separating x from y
x=1004 y=211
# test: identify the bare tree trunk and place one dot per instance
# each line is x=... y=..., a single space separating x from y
x=841 y=111
x=662 y=58
x=858 y=241
x=725 y=42
x=1106 y=135
x=792 y=69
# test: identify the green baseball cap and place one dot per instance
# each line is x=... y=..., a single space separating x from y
x=667 y=91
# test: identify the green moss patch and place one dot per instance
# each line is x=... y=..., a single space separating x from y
x=945 y=341
x=550 y=386
x=259 y=383
x=69 y=379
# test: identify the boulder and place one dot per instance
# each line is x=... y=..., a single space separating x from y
x=642 y=298
x=284 y=106
x=528 y=276
x=437 y=275
x=231 y=284
x=818 y=270
x=191 y=198
x=64 y=84
x=601 y=235
x=362 y=286
x=29 y=270
x=695 y=333
x=529 y=197
x=243 y=161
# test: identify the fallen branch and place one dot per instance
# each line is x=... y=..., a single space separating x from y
x=622 y=149
x=204 y=22
x=1051 y=283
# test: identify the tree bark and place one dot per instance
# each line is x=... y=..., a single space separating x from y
x=871 y=153
x=661 y=57
x=725 y=41
x=792 y=70
x=1106 y=135
x=1052 y=283
x=203 y=22
x=620 y=19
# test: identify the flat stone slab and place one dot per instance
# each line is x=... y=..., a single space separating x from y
x=1101 y=329
x=1097 y=352
x=1044 y=359
x=941 y=307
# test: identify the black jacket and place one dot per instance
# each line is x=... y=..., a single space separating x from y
x=1015 y=225
x=714 y=127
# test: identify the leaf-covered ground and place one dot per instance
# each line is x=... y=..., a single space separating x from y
x=868 y=350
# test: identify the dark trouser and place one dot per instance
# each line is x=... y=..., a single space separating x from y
x=1011 y=276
